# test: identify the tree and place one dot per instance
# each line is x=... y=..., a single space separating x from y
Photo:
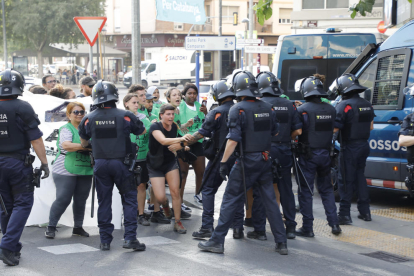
x=264 y=9
x=37 y=23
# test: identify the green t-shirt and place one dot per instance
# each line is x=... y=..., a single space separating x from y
x=186 y=114
x=142 y=140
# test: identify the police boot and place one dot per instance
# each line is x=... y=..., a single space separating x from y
x=203 y=233
x=281 y=248
x=211 y=246
x=336 y=230
x=344 y=220
x=8 y=257
x=290 y=232
x=105 y=246
x=365 y=217
x=304 y=233
x=238 y=233
x=258 y=235
x=248 y=222
x=134 y=244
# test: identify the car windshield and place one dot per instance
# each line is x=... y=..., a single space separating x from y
x=144 y=66
x=204 y=88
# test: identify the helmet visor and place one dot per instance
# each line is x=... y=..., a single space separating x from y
x=298 y=84
x=333 y=89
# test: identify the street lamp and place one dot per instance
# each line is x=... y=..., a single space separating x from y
x=103 y=65
x=246 y=21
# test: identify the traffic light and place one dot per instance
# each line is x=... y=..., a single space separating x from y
x=235 y=18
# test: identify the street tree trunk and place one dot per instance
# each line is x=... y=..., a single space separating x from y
x=39 y=64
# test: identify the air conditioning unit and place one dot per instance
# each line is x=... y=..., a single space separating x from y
x=178 y=26
x=198 y=28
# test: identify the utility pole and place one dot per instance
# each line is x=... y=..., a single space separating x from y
x=219 y=34
x=4 y=35
x=136 y=43
x=251 y=18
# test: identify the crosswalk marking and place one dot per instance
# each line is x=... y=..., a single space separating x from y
x=156 y=240
x=68 y=249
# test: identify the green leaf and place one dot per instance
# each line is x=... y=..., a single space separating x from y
x=268 y=13
x=410 y=1
x=260 y=18
x=353 y=14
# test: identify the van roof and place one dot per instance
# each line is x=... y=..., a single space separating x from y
x=401 y=38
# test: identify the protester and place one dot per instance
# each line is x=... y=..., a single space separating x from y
x=57 y=91
x=162 y=163
x=86 y=84
x=72 y=173
x=37 y=89
x=156 y=94
x=149 y=106
x=68 y=93
x=48 y=82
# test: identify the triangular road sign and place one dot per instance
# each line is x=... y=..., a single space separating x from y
x=89 y=27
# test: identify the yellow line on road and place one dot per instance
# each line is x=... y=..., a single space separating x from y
x=405 y=214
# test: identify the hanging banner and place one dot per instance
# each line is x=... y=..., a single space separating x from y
x=181 y=11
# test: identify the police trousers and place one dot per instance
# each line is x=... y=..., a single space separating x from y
x=257 y=170
x=16 y=188
x=108 y=172
x=320 y=164
x=355 y=158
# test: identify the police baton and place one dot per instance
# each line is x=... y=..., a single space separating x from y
x=207 y=174
x=3 y=206
x=341 y=157
x=298 y=169
x=243 y=174
x=93 y=185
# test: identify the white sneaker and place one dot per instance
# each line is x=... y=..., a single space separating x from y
x=198 y=199
x=185 y=208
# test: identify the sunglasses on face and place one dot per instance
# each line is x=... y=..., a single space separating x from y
x=52 y=81
x=91 y=86
x=79 y=112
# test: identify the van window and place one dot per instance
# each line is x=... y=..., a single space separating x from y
x=367 y=79
x=151 y=68
x=388 y=80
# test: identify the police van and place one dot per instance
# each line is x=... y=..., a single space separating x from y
x=386 y=69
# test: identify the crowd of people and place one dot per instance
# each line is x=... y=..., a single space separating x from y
x=252 y=138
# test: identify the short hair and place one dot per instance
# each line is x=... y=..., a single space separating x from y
x=169 y=91
x=321 y=77
x=57 y=91
x=164 y=108
x=37 y=89
x=45 y=77
x=188 y=86
x=85 y=80
x=127 y=98
x=72 y=105
x=65 y=93
x=135 y=87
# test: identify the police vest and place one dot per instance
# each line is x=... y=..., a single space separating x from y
x=359 y=127
x=108 y=138
x=321 y=124
x=220 y=134
x=13 y=138
x=284 y=109
x=257 y=129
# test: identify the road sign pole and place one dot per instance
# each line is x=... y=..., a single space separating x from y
x=136 y=45
x=251 y=18
x=90 y=60
x=198 y=73
x=6 y=65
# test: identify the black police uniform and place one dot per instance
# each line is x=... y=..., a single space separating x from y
x=18 y=126
x=110 y=130
x=215 y=125
x=354 y=117
x=254 y=123
x=315 y=143
x=407 y=129
x=289 y=121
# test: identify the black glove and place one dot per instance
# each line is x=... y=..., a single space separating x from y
x=45 y=169
x=224 y=171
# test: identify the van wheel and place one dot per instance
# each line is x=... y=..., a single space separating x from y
x=334 y=178
x=145 y=84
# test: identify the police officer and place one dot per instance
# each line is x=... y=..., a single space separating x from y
x=314 y=147
x=252 y=123
x=354 y=121
x=18 y=131
x=112 y=150
x=290 y=126
x=215 y=126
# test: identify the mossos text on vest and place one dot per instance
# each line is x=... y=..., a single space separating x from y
x=323 y=117
x=262 y=115
x=101 y=123
x=3 y=118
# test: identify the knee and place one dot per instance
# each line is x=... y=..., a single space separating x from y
x=175 y=193
x=142 y=187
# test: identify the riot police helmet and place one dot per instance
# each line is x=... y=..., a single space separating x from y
x=104 y=91
x=220 y=90
x=244 y=84
x=11 y=83
x=346 y=83
x=269 y=84
x=310 y=86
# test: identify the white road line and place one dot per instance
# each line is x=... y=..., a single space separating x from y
x=68 y=249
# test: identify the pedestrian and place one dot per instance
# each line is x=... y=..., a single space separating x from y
x=162 y=164
x=86 y=84
x=57 y=91
x=252 y=123
x=110 y=128
x=70 y=75
x=354 y=121
x=290 y=126
x=64 y=76
x=48 y=82
x=314 y=154
x=215 y=127
x=156 y=94
x=190 y=108
x=68 y=93
x=149 y=106
x=72 y=173
x=37 y=89
x=19 y=131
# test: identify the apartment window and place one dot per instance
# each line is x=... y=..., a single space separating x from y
x=208 y=12
x=284 y=16
x=228 y=11
x=325 y=4
x=336 y=4
x=313 y=4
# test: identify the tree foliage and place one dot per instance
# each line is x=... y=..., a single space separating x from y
x=263 y=10
x=362 y=7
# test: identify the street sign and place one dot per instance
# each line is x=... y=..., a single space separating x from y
x=260 y=49
x=210 y=43
x=89 y=27
x=250 y=41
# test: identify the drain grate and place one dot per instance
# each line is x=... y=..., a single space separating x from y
x=386 y=257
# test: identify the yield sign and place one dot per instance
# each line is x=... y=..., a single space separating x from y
x=89 y=27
